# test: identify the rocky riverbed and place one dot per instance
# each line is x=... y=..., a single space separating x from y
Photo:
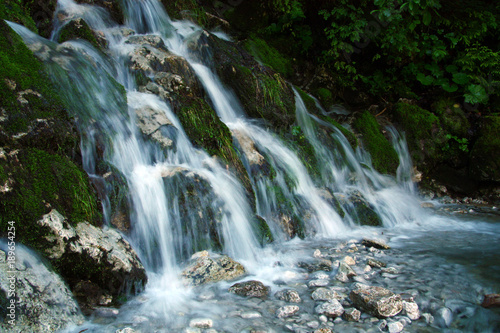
x=352 y=285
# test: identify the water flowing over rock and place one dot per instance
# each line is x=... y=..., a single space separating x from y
x=377 y=301
x=85 y=253
x=205 y=269
x=43 y=301
x=251 y=288
x=156 y=124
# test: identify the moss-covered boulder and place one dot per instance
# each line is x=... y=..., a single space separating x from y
x=262 y=92
x=424 y=133
x=207 y=131
x=268 y=55
x=384 y=157
x=485 y=154
x=452 y=117
x=18 y=12
x=79 y=29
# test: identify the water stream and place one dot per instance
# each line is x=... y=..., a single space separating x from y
x=159 y=179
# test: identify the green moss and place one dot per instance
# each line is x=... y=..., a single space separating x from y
x=485 y=154
x=17 y=12
x=40 y=182
x=206 y=130
x=298 y=142
x=325 y=96
x=78 y=29
x=19 y=72
x=384 y=157
x=262 y=230
x=452 y=117
x=351 y=138
x=269 y=56
x=183 y=9
x=309 y=102
x=425 y=136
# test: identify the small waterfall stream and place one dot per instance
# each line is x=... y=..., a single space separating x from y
x=159 y=179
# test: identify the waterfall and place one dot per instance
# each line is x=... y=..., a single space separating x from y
x=181 y=199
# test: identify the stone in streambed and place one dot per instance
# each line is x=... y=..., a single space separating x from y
x=251 y=288
x=352 y=314
x=288 y=295
x=376 y=243
x=207 y=269
x=411 y=310
x=323 y=294
x=377 y=301
x=345 y=272
x=332 y=309
x=287 y=311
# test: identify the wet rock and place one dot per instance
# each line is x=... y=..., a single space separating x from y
x=79 y=29
x=88 y=253
x=212 y=269
x=317 y=265
x=443 y=317
x=318 y=283
x=376 y=243
x=411 y=310
x=377 y=301
x=345 y=272
x=288 y=295
x=323 y=294
x=43 y=301
x=349 y=260
x=287 y=311
x=375 y=263
x=106 y=312
x=330 y=309
x=155 y=124
x=251 y=315
x=257 y=162
x=352 y=314
x=201 y=323
x=251 y=288
x=395 y=327
x=323 y=330
x=319 y=275
x=491 y=300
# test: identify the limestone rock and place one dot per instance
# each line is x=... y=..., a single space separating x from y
x=345 y=272
x=250 y=288
x=155 y=124
x=323 y=294
x=376 y=243
x=43 y=301
x=212 y=269
x=332 y=309
x=287 y=311
x=352 y=314
x=411 y=310
x=377 y=301
x=288 y=295
x=88 y=253
x=201 y=323
x=395 y=327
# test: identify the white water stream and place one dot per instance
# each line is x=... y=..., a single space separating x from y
x=158 y=180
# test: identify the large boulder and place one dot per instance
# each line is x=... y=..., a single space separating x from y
x=485 y=154
x=41 y=301
x=85 y=253
x=159 y=71
x=377 y=301
x=210 y=269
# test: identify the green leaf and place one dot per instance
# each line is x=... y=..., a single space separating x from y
x=425 y=80
x=449 y=88
x=451 y=68
x=460 y=78
x=477 y=94
x=426 y=19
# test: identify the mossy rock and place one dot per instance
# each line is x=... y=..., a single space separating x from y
x=37 y=182
x=325 y=96
x=17 y=12
x=26 y=93
x=452 y=117
x=485 y=154
x=262 y=230
x=262 y=92
x=207 y=131
x=384 y=157
x=424 y=133
x=78 y=29
x=268 y=55
x=309 y=102
x=113 y=7
x=186 y=10
x=351 y=138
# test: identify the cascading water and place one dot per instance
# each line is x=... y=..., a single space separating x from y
x=181 y=199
